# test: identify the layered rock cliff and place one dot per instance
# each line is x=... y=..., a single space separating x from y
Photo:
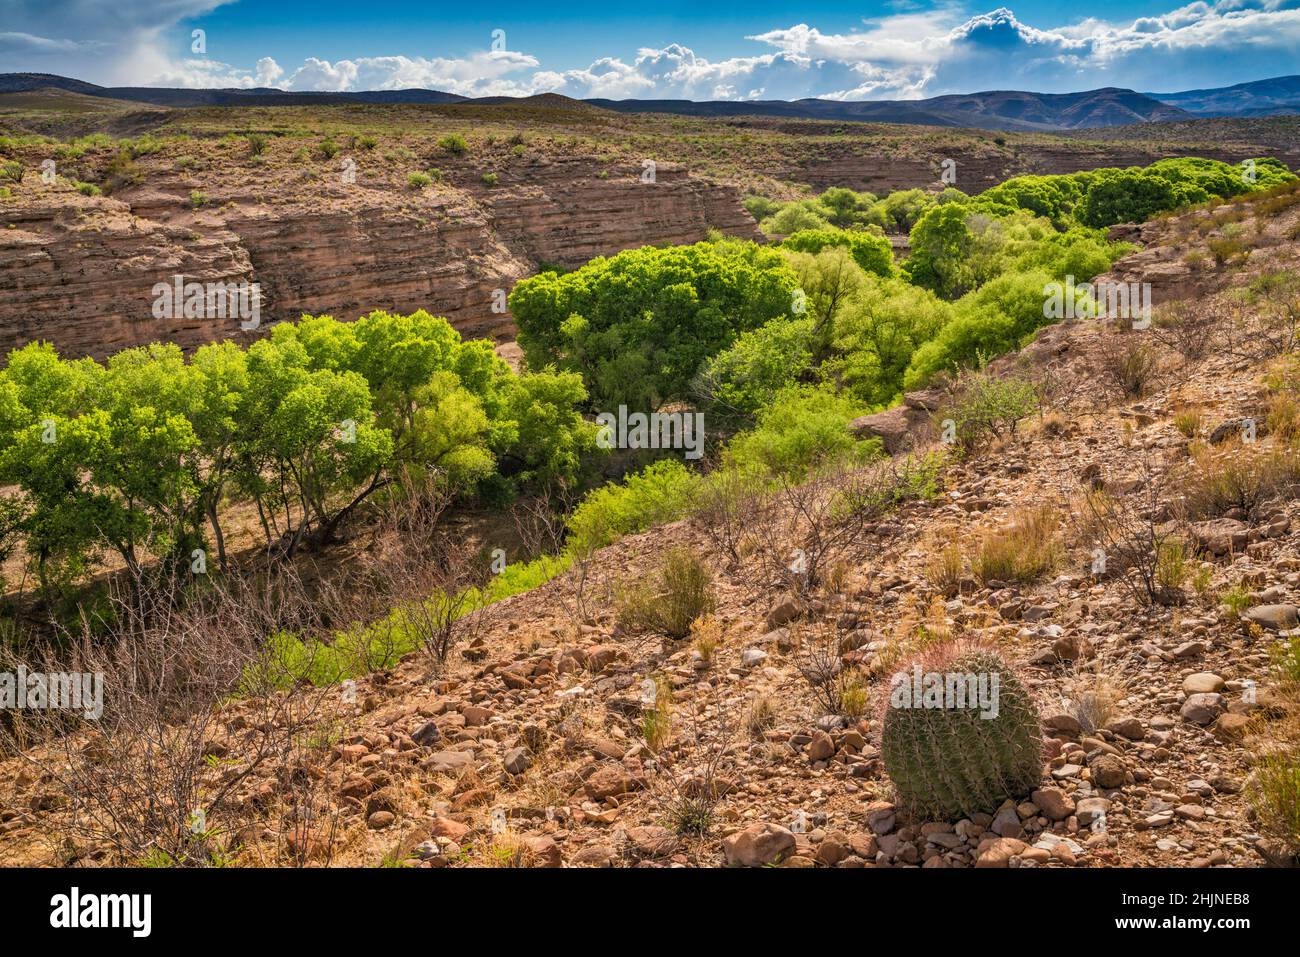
x=79 y=271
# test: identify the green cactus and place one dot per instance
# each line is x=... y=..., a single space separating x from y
x=950 y=761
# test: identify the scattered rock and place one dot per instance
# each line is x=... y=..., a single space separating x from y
x=1204 y=682
x=1274 y=617
x=1108 y=771
x=758 y=845
x=998 y=853
x=1202 y=708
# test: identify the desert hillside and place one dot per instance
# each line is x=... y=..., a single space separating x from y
x=1116 y=522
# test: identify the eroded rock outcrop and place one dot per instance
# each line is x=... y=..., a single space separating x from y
x=79 y=271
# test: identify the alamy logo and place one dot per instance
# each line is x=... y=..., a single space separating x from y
x=24 y=690
x=947 y=690
x=656 y=430
x=1086 y=300
x=179 y=299
x=75 y=909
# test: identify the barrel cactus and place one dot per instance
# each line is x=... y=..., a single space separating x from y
x=960 y=734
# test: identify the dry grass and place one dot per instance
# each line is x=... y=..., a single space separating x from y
x=945 y=568
x=761 y=715
x=1023 y=552
x=707 y=636
x=1238 y=477
x=1096 y=695
x=668 y=603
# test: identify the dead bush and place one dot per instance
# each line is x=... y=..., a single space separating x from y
x=432 y=581
x=1128 y=366
x=1128 y=534
x=1188 y=327
x=689 y=779
x=195 y=714
x=838 y=689
x=804 y=531
x=727 y=501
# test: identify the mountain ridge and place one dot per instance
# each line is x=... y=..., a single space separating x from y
x=1010 y=110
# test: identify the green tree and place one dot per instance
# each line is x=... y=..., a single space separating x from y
x=639 y=325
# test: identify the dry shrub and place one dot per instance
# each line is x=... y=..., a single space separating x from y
x=1265 y=317
x=1273 y=787
x=509 y=849
x=806 y=531
x=687 y=780
x=1023 y=552
x=1283 y=417
x=725 y=507
x=429 y=577
x=1128 y=366
x=1274 y=791
x=707 y=636
x=1188 y=423
x=761 y=715
x=657 y=719
x=669 y=601
x=838 y=689
x=194 y=716
x=1131 y=533
x=1238 y=477
x=1188 y=327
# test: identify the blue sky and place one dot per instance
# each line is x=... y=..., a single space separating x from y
x=759 y=49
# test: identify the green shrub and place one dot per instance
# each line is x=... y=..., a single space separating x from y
x=453 y=143
x=803 y=429
x=638 y=326
x=876 y=335
x=122 y=172
x=490 y=179
x=256 y=144
x=742 y=380
x=985 y=409
x=418 y=180
x=870 y=251
x=659 y=493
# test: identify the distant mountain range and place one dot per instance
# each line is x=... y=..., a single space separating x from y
x=993 y=110
x=1260 y=98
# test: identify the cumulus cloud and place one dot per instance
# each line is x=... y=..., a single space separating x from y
x=910 y=53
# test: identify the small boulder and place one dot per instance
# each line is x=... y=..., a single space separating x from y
x=758 y=845
x=1202 y=708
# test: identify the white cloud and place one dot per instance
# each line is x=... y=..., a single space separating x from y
x=908 y=53
x=212 y=74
